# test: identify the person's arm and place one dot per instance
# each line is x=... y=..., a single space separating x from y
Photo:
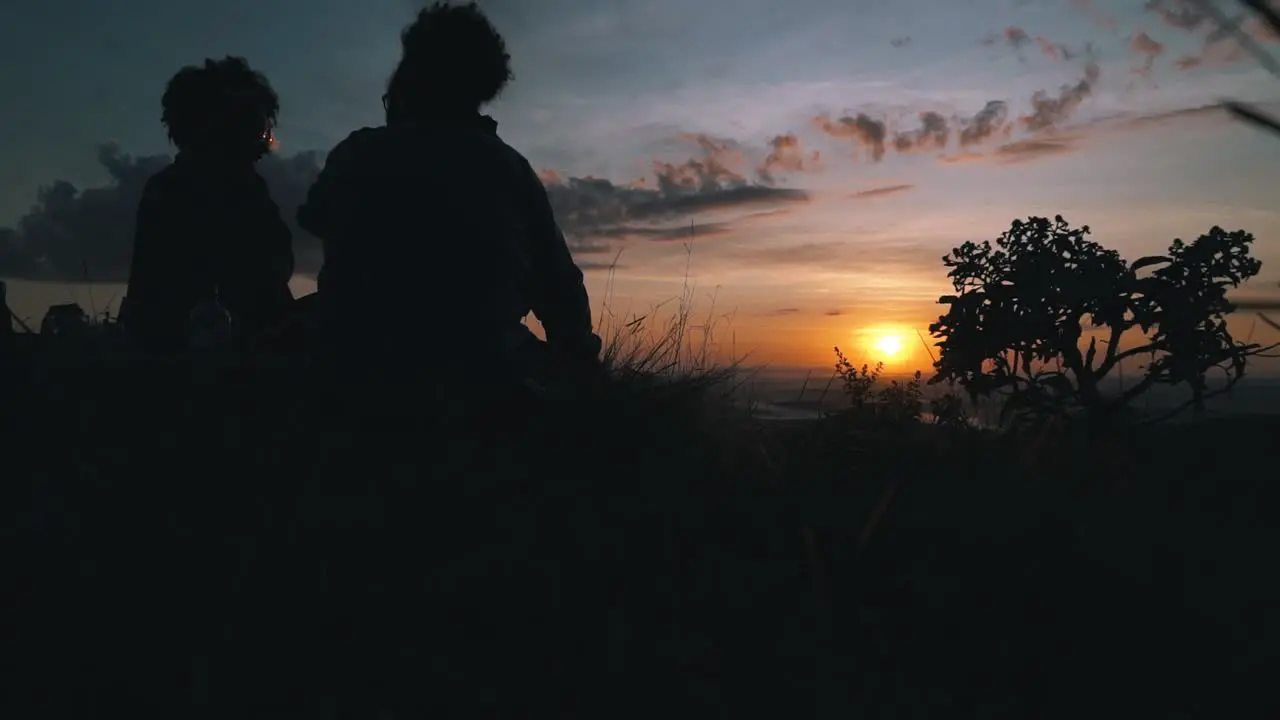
x=150 y=296
x=326 y=211
x=323 y=214
x=275 y=240
x=559 y=295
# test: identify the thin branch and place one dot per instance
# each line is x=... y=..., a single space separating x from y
x=1242 y=37
x=1183 y=407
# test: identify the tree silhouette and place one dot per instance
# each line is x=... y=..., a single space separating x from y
x=1017 y=321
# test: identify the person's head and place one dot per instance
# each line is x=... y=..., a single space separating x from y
x=223 y=108
x=453 y=61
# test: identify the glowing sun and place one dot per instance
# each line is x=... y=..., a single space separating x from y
x=889 y=345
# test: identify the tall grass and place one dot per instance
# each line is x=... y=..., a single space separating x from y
x=673 y=342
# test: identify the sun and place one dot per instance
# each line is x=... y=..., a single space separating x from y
x=889 y=345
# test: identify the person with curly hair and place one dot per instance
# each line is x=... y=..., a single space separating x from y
x=210 y=247
x=433 y=216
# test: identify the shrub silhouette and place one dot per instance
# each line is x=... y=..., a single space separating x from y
x=1018 y=318
x=899 y=402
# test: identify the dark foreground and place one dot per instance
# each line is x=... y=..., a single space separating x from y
x=266 y=543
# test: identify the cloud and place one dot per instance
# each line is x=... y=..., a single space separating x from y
x=903 y=41
x=69 y=230
x=1148 y=47
x=1014 y=37
x=1222 y=47
x=833 y=313
x=991 y=119
x=1035 y=149
x=786 y=156
x=883 y=259
x=933 y=134
x=881 y=191
x=1181 y=14
x=1021 y=151
x=1221 y=43
x=863 y=129
x=935 y=131
x=691 y=231
x=1061 y=142
x=591 y=210
x=1019 y=39
x=1049 y=111
x=1050 y=49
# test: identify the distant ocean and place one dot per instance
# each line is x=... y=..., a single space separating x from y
x=785 y=396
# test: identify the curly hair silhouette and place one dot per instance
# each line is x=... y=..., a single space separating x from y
x=453 y=61
x=223 y=107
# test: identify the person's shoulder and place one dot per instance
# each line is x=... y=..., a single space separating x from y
x=165 y=176
x=363 y=138
x=163 y=183
x=512 y=157
x=357 y=144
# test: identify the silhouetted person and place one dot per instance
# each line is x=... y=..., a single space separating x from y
x=209 y=238
x=433 y=226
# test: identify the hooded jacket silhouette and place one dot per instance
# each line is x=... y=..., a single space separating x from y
x=438 y=228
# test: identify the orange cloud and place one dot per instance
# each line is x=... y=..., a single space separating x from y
x=881 y=191
x=1048 y=48
x=865 y=130
x=786 y=155
x=1048 y=111
x=1036 y=149
x=1222 y=44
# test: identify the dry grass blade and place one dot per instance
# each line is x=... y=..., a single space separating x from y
x=1252 y=116
x=1246 y=41
x=1256 y=304
x=1265 y=10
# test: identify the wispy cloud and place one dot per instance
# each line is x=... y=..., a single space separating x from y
x=1148 y=48
x=881 y=191
x=1048 y=111
x=1220 y=46
x=1076 y=137
x=787 y=157
x=1036 y=149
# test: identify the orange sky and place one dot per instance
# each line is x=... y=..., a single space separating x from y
x=1104 y=123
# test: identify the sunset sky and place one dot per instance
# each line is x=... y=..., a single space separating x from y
x=826 y=152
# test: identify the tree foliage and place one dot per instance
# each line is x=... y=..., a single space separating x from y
x=1017 y=322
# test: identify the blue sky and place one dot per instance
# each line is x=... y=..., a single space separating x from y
x=608 y=88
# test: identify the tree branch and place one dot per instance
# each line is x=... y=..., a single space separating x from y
x=1118 y=358
x=1183 y=407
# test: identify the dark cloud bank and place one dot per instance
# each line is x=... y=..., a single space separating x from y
x=70 y=230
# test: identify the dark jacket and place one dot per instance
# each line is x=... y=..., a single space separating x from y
x=203 y=232
x=442 y=230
